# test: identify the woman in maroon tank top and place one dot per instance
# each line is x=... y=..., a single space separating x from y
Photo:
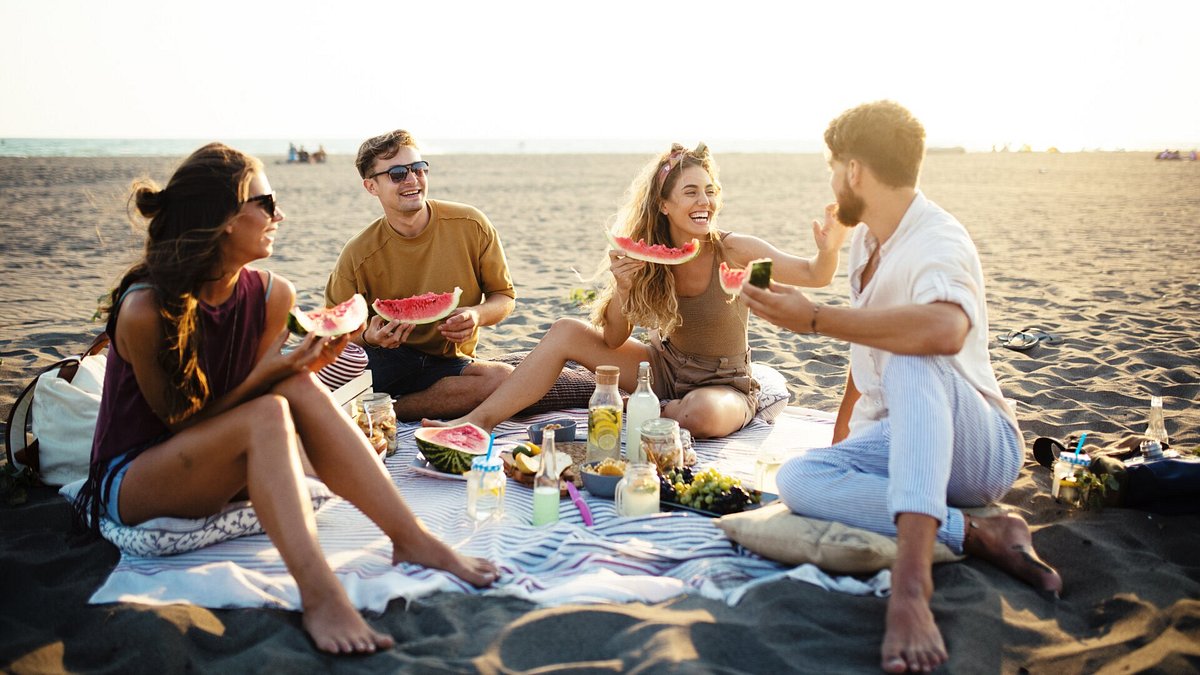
x=200 y=398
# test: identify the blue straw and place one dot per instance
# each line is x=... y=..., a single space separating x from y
x=491 y=440
x=1080 y=446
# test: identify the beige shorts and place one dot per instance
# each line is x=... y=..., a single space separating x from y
x=676 y=373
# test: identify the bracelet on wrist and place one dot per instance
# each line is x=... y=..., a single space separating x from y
x=368 y=342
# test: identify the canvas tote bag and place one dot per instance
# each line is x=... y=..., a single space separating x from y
x=51 y=424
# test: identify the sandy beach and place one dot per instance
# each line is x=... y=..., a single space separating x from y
x=1098 y=248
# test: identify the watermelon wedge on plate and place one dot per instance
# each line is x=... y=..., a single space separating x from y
x=418 y=309
x=654 y=253
x=331 y=321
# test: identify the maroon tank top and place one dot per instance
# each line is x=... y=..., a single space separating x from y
x=230 y=336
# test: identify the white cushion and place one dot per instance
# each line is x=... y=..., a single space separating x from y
x=773 y=394
x=168 y=536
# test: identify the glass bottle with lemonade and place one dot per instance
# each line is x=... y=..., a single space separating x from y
x=604 y=417
x=642 y=406
x=546 y=490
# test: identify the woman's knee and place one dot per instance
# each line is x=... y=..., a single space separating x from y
x=269 y=414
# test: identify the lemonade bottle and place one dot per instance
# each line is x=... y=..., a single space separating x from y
x=642 y=406
x=545 y=484
x=604 y=417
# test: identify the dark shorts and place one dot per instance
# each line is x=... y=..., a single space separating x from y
x=405 y=370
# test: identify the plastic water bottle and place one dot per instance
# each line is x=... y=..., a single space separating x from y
x=642 y=406
x=546 y=491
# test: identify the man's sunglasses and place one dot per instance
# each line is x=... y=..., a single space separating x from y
x=268 y=202
x=399 y=173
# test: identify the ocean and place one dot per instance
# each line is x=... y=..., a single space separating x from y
x=178 y=147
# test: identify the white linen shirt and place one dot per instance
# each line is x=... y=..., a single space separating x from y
x=929 y=258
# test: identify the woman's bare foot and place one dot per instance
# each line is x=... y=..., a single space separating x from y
x=434 y=553
x=1005 y=541
x=336 y=627
x=912 y=641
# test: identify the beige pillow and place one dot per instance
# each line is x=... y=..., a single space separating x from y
x=775 y=532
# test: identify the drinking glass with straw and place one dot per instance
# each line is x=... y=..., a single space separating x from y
x=486 y=485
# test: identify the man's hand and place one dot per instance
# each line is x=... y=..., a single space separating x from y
x=830 y=234
x=783 y=305
x=460 y=325
x=386 y=334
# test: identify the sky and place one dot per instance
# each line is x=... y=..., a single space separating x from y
x=1073 y=75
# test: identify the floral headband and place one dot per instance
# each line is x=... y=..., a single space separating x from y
x=675 y=158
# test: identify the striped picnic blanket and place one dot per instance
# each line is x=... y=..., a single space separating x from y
x=647 y=558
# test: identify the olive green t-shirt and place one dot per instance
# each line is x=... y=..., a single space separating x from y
x=459 y=248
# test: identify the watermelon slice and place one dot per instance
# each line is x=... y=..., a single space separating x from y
x=418 y=309
x=654 y=253
x=758 y=272
x=452 y=449
x=331 y=321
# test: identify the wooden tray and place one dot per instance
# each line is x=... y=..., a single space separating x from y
x=576 y=449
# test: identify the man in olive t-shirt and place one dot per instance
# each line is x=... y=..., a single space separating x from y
x=421 y=246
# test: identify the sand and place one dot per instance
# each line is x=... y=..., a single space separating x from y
x=1099 y=249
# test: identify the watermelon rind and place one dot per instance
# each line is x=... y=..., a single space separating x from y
x=656 y=253
x=760 y=273
x=451 y=449
x=331 y=321
x=419 y=309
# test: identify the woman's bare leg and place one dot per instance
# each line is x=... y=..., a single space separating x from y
x=567 y=340
x=346 y=462
x=710 y=412
x=252 y=445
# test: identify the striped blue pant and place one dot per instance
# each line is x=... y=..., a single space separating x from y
x=941 y=445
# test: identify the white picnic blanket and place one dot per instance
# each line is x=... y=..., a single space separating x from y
x=648 y=558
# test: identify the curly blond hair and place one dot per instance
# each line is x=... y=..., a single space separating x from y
x=652 y=302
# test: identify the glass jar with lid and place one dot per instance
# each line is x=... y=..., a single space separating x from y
x=376 y=417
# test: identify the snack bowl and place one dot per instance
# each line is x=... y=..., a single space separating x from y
x=598 y=484
x=565 y=433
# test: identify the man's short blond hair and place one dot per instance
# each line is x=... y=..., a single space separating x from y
x=883 y=135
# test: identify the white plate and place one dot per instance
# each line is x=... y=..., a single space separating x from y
x=422 y=466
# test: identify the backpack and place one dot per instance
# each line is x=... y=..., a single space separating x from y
x=51 y=424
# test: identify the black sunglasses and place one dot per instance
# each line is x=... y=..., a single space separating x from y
x=268 y=202
x=399 y=173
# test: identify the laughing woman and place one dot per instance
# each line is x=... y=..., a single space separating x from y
x=699 y=350
x=198 y=396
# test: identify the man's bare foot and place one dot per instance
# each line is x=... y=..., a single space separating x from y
x=912 y=641
x=1005 y=541
x=434 y=553
x=336 y=627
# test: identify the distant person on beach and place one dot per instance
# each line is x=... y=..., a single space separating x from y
x=319 y=155
x=419 y=246
x=291 y=152
x=302 y=156
x=923 y=428
x=698 y=351
x=200 y=406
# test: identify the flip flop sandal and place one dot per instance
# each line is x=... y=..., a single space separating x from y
x=1046 y=450
x=1043 y=336
x=1017 y=340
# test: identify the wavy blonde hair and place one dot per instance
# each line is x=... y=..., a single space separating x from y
x=652 y=302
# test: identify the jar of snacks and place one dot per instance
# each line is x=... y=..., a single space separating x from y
x=376 y=417
x=661 y=444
